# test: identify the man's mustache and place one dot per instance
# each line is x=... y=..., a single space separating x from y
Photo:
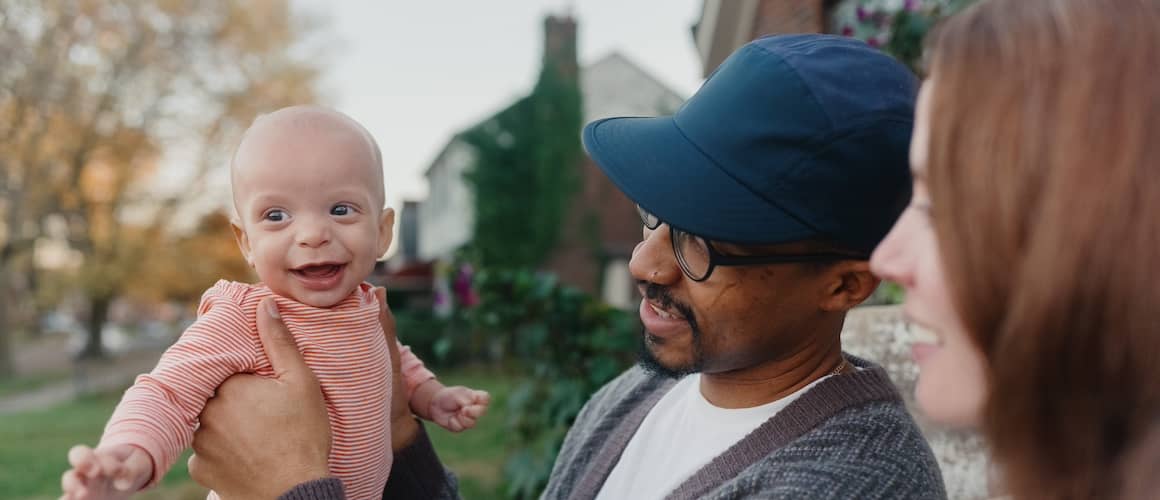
x=664 y=297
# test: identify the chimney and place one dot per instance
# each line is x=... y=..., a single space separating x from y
x=560 y=45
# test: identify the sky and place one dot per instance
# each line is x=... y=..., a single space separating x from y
x=415 y=73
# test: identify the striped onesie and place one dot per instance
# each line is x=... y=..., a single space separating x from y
x=343 y=344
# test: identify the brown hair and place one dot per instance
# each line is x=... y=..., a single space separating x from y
x=1045 y=138
x=1141 y=468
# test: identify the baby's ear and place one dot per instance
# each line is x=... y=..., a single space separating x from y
x=242 y=239
x=386 y=230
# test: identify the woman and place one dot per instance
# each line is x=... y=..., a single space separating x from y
x=1032 y=245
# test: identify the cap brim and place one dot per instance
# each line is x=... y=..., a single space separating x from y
x=658 y=168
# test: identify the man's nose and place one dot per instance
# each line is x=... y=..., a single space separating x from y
x=653 y=260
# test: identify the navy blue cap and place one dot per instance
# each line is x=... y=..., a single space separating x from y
x=793 y=138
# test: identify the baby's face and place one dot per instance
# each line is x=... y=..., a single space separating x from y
x=311 y=220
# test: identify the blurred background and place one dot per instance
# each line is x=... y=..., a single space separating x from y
x=509 y=269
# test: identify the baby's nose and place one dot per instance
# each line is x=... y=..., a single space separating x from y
x=313 y=235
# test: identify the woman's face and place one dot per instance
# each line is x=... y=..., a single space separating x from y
x=951 y=384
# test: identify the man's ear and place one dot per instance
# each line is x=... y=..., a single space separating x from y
x=386 y=230
x=848 y=283
x=242 y=239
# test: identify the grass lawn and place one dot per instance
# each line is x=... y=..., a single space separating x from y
x=33 y=445
x=24 y=384
x=477 y=455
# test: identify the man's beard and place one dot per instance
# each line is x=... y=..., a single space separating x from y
x=648 y=359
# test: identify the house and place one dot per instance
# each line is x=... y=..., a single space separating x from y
x=726 y=25
x=408 y=279
x=602 y=227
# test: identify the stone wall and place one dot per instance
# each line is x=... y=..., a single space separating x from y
x=879 y=334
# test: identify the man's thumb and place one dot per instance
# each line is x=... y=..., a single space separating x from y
x=278 y=342
x=386 y=318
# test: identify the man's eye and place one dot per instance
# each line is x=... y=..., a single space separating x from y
x=275 y=215
x=340 y=210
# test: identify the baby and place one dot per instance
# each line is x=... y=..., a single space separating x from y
x=308 y=189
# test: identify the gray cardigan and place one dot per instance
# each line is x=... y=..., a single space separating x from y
x=848 y=437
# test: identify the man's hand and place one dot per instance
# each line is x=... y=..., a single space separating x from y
x=404 y=428
x=260 y=436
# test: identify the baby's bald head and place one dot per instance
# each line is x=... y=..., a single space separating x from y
x=290 y=134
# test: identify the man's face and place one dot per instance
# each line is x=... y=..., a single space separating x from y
x=738 y=318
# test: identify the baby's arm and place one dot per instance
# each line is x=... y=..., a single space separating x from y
x=452 y=408
x=157 y=416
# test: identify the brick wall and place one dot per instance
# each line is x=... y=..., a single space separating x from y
x=619 y=223
x=601 y=223
x=789 y=16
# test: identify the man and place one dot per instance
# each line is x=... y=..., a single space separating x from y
x=761 y=200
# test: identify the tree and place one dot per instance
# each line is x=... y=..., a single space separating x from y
x=96 y=95
x=206 y=254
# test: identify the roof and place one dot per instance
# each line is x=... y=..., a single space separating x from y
x=617 y=57
x=611 y=59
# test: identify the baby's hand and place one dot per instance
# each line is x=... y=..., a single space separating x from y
x=110 y=473
x=457 y=408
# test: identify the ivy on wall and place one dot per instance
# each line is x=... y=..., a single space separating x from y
x=526 y=171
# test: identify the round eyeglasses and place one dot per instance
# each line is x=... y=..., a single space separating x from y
x=698 y=257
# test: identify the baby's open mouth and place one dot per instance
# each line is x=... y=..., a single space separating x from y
x=318 y=271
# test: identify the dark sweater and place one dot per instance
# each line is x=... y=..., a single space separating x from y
x=848 y=437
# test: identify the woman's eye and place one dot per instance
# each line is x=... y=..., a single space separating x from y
x=274 y=216
x=340 y=210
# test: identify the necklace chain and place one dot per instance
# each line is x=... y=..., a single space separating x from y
x=841 y=366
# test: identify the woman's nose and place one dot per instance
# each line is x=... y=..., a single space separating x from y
x=893 y=259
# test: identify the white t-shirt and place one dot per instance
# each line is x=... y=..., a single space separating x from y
x=679 y=436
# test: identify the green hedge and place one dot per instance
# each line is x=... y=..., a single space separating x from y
x=565 y=345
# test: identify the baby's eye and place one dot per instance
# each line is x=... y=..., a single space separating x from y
x=341 y=210
x=275 y=215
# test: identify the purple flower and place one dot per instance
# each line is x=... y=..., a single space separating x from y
x=847 y=31
x=861 y=13
x=912 y=5
x=873 y=42
x=471 y=299
x=465 y=295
